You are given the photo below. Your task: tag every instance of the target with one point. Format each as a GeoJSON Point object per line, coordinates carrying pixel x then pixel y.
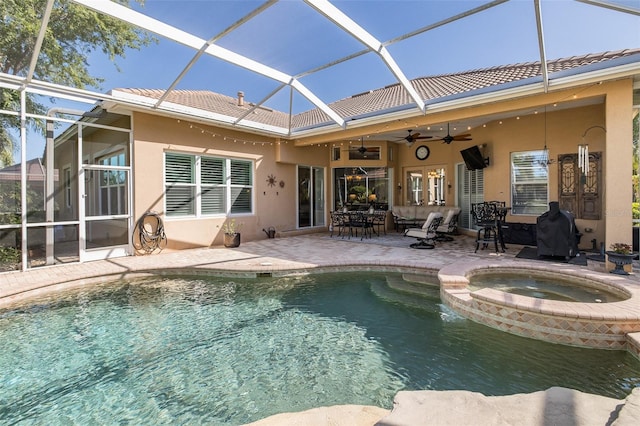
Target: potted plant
{"type": "Point", "coordinates": [231, 230]}
{"type": "Point", "coordinates": [620, 254]}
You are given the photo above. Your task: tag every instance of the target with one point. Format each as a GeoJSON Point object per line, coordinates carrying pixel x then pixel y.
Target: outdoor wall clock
{"type": "Point", "coordinates": [422, 152]}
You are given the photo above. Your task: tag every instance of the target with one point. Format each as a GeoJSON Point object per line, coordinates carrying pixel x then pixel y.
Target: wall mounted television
{"type": "Point", "coordinates": [473, 158]}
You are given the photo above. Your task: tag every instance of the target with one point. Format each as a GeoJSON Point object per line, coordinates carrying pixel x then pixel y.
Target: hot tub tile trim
{"type": "Point", "coordinates": [603, 326]}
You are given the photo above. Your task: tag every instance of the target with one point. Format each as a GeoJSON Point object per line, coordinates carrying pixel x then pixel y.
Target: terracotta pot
{"type": "Point", "coordinates": [232, 240]}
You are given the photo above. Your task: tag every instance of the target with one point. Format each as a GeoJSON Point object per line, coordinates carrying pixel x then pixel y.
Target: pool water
{"type": "Point", "coordinates": [543, 288]}
{"type": "Point", "coordinates": [168, 351]}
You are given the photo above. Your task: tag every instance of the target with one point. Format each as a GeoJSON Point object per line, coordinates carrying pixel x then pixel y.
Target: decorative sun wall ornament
{"type": "Point", "coordinates": [271, 180]}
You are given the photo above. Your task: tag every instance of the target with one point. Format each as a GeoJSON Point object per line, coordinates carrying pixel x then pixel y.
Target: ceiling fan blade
{"type": "Point", "coordinates": [424, 137]}
{"type": "Point", "coordinates": [463, 137]}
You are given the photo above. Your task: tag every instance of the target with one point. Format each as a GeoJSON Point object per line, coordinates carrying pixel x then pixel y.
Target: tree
{"type": "Point", "coordinates": [73, 32]}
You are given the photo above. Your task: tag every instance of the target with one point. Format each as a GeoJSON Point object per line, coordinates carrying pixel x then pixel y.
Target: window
{"type": "Point", "coordinates": [180, 185]}
{"type": "Point", "coordinates": [360, 187]}
{"type": "Point", "coordinates": [368, 153]}
{"type": "Point", "coordinates": [414, 188]}
{"type": "Point", "coordinates": [113, 186]}
{"type": "Point", "coordinates": [336, 153]}
{"type": "Point", "coordinates": [529, 183]}
{"type": "Point", "coordinates": [203, 186]}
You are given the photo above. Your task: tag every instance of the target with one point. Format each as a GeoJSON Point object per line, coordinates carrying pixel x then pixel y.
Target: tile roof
{"type": "Point", "coordinates": [218, 103]}
{"type": "Point", "coordinates": [382, 99]}
{"type": "Point", "coordinates": [440, 86]}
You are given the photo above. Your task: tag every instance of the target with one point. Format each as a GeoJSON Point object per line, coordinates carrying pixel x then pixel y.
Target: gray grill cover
{"type": "Point", "coordinates": [556, 232]}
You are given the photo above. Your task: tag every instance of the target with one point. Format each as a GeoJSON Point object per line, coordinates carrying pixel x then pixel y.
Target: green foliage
{"type": "Point", "coordinates": [9, 256]}
{"type": "Point", "coordinates": [635, 210]}
{"type": "Point", "coordinates": [231, 227]}
{"type": "Point", "coordinates": [73, 33]}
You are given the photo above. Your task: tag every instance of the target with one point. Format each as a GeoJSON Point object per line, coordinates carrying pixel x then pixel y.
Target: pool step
{"type": "Point", "coordinates": [426, 279]}
{"type": "Point", "coordinates": [422, 285]}
{"type": "Point", "coordinates": [410, 293]}
{"type": "Point", "coordinates": [390, 295]}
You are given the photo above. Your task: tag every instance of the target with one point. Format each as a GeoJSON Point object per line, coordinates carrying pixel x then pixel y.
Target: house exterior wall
{"type": "Point", "coordinates": [564, 129]}
{"type": "Point", "coordinates": [273, 205]}
{"type": "Point", "coordinates": [608, 105]}
{"type": "Point", "coordinates": [618, 163]}
{"type": "Point", "coordinates": [613, 111]}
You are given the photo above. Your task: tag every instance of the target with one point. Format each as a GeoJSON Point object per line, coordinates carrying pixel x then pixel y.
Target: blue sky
{"type": "Point", "coordinates": [293, 38]}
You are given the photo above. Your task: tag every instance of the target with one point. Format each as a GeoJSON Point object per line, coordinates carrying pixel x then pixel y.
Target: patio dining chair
{"type": "Point", "coordinates": [379, 221]}
{"type": "Point", "coordinates": [359, 220]}
{"type": "Point", "coordinates": [338, 223]}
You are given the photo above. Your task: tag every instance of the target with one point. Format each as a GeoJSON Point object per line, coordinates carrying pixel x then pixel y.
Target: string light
{"type": "Point", "coordinates": [224, 138]}
{"type": "Point", "coordinates": [214, 135]}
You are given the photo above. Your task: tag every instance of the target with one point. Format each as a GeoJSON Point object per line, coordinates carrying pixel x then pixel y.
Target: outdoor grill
{"type": "Point", "coordinates": [556, 233]}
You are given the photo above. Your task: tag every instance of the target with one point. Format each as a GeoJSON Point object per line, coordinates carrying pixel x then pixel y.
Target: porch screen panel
{"type": "Point", "coordinates": [180, 185]}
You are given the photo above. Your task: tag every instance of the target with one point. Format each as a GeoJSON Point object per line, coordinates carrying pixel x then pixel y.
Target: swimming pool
{"type": "Point", "coordinates": [231, 351]}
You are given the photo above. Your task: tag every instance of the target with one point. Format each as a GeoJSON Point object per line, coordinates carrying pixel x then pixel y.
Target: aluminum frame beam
{"type": "Point", "coordinates": [336, 16]}
{"type": "Point", "coordinates": [152, 25]}
{"type": "Point", "coordinates": [543, 55]}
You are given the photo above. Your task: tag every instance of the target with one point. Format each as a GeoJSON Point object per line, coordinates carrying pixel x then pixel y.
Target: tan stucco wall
{"type": "Point", "coordinates": [618, 163]}
{"type": "Point", "coordinates": [608, 105]}
{"type": "Point", "coordinates": [501, 138]}
{"type": "Point", "coordinates": [274, 205]}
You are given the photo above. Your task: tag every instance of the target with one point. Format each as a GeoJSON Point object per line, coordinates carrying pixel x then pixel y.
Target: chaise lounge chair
{"type": "Point", "coordinates": [427, 234]}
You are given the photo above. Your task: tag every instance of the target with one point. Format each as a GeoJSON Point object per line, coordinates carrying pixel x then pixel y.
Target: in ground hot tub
{"type": "Point", "coordinates": [561, 288]}
{"type": "Point", "coordinates": [568, 306]}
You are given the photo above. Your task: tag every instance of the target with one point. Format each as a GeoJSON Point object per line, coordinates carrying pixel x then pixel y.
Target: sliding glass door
{"type": "Point", "coordinates": [311, 197]}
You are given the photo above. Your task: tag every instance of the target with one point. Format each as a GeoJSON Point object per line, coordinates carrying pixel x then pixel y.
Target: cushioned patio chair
{"type": "Point", "coordinates": [427, 234]}
{"type": "Point", "coordinates": [449, 225]}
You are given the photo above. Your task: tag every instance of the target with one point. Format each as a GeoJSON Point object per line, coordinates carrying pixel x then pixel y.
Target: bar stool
{"type": "Point", "coordinates": [485, 217]}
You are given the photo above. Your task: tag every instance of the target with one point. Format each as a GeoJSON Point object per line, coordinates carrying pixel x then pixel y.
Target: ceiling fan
{"type": "Point", "coordinates": [412, 137]}
{"type": "Point", "coordinates": [448, 139]}
{"type": "Point", "coordinates": [362, 149]}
